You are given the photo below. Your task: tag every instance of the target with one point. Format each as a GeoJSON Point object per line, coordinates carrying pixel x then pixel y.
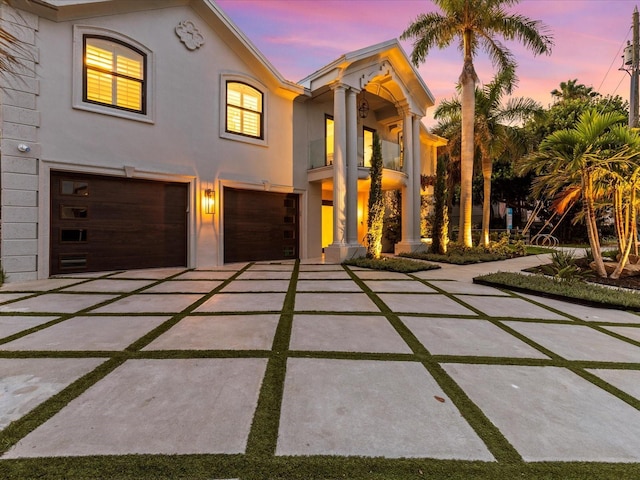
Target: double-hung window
{"type": "Point", "coordinates": [114, 74]}
{"type": "Point", "coordinates": [244, 110]}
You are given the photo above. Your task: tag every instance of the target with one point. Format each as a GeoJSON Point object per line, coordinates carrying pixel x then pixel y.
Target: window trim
{"type": "Point", "coordinates": [80, 34]}
{"type": "Point", "coordinates": [226, 78]}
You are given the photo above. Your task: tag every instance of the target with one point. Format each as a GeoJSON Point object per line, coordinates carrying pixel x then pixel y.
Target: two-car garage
{"type": "Point", "coordinates": [103, 223]}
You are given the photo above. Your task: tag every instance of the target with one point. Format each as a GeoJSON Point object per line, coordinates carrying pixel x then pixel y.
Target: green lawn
{"type": "Point", "coordinates": [582, 292]}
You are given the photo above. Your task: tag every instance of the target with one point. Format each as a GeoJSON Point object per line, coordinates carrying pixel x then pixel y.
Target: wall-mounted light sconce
{"type": "Point", "coordinates": [209, 199]}
{"type": "Point", "coordinates": [363, 106]}
{"type": "Point", "coordinates": [24, 148]}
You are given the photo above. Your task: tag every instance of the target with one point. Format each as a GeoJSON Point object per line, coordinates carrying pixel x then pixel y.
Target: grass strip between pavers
{"type": "Point", "coordinates": [263, 436]}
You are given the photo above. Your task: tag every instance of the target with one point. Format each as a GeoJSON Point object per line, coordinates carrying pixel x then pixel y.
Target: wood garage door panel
{"type": "Point", "coordinates": [129, 224]}
{"type": "Point", "coordinates": [260, 225]}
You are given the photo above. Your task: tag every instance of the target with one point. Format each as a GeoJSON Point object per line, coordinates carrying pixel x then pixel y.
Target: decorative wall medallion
{"type": "Point", "coordinates": [189, 35]}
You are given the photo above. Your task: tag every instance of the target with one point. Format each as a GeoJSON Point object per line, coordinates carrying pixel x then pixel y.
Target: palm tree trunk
{"type": "Point", "coordinates": [590, 218]}
{"type": "Point", "coordinates": [487, 168]}
{"type": "Point", "coordinates": [624, 255]}
{"type": "Point", "coordinates": [468, 100]}
{"type": "Point", "coordinates": [619, 219]}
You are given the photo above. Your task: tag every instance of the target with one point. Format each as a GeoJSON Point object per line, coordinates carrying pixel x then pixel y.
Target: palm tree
{"type": "Point", "coordinates": [570, 90]}
{"type": "Point", "coordinates": [493, 134]}
{"type": "Point", "coordinates": [475, 24]}
{"type": "Point", "coordinates": [622, 184]}
{"type": "Point", "coordinates": [627, 237]}
{"type": "Point", "coordinates": [571, 162]}
{"type": "Point", "coordinates": [9, 47]}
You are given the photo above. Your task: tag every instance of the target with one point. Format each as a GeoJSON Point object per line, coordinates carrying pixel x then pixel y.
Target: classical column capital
{"type": "Point", "coordinates": [339, 86]}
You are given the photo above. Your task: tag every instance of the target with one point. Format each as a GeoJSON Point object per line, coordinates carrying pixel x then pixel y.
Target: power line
{"type": "Point", "coordinates": [616, 57]}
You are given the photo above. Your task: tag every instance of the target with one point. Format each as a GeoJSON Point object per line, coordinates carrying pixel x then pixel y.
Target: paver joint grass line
{"type": "Point", "coordinates": [263, 436]}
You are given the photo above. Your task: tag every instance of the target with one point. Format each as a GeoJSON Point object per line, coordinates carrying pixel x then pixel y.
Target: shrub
{"type": "Point", "coordinates": [375, 220]}
{"type": "Point", "coordinates": [440, 232]}
{"type": "Point", "coordinates": [401, 265]}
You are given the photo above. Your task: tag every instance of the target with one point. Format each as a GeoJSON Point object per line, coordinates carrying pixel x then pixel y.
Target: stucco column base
{"type": "Point", "coordinates": [340, 253]}
{"type": "Point", "coordinates": [410, 247]}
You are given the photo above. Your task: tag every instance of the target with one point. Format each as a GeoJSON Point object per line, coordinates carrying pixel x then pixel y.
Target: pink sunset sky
{"type": "Point", "coordinates": [301, 36]}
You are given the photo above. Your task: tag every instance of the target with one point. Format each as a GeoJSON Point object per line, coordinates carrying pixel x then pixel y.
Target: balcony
{"type": "Point", "coordinates": [391, 155]}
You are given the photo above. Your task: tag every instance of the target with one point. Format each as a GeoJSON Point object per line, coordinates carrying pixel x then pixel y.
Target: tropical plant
{"type": "Point", "coordinates": [570, 162]}
{"type": "Point", "coordinates": [572, 89]}
{"type": "Point", "coordinates": [475, 24]}
{"type": "Point", "coordinates": [375, 219]}
{"type": "Point", "coordinates": [563, 267]}
{"type": "Point", "coordinates": [623, 177]}
{"type": "Point", "coordinates": [494, 134]}
{"type": "Point", "coordinates": [10, 48]}
{"type": "Point", "coordinates": [565, 112]}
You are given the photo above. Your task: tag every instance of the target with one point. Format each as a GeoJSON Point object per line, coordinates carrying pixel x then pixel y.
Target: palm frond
{"type": "Point", "coordinates": [566, 198]}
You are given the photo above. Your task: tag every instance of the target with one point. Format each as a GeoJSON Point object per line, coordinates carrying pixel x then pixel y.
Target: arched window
{"type": "Point", "coordinates": [244, 110]}
{"type": "Point", "coordinates": [114, 74]}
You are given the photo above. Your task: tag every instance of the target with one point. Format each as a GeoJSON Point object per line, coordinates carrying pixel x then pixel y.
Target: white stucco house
{"type": "Point", "coordinates": [153, 133]}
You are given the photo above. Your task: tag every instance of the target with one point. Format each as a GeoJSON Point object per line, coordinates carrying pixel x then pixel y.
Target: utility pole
{"type": "Point", "coordinates": [633, 98]}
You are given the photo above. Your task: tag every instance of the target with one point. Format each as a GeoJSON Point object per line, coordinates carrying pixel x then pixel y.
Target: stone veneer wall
{"type": "Point", "coordinates": [19, 120]}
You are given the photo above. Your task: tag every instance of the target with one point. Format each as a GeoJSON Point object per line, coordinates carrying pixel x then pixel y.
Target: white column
{"type": "Point", "coordinates": [345, 185]}
{"type": "Point", "coordinates": [417, 170]}
{"type": "Point", "coordinates": [411, 192]}
{"type": "Point", "coordinates": [352, 169]}
{"type": "Point", "coordinates": [339, 166]}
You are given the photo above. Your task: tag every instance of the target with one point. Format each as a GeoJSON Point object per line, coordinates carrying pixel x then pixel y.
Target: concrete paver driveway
{"type": "Point", "coordinates": [313, 359]}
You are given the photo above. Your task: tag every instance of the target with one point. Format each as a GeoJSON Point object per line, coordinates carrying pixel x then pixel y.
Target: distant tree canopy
{"type": "Point", "coordinates": [571, 90]}
{"type": "Point", "coordinates": [573, 100]}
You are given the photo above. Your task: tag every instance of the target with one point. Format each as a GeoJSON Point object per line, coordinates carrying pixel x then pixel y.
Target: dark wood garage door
{"type": "Point", "coordinates": [103, 223]}
{"type": "Point", "coordinates": [260, 225]}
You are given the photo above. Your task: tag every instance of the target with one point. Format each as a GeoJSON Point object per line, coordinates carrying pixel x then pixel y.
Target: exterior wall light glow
{"type": "Point", "coordinates": [209, 201]}
{"type": "Point", "coordinates": [24, 148]}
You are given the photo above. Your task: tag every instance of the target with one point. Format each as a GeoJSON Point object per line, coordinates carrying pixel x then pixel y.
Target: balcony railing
{"type": "Point", "coordinates": [391, 155]}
